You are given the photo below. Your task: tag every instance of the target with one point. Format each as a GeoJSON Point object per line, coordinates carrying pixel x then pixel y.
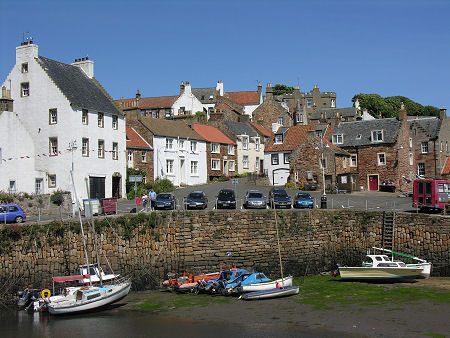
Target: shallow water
{"type": "Point", "coordinates": [117, 322]}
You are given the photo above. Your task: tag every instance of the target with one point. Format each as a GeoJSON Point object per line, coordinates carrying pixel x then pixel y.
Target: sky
{"type": "Point", "coordinates": [346, 46]}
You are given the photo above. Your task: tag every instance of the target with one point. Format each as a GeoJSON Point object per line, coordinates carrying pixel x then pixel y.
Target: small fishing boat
{"type": "Point", "coordinates": [423, 264]}
{"type": "Point", "coordinates": [187, 282]}
{"type": "Point", "coordinates": [271, 284]}
{"type": "Point", "coordinates": [271, 293]}
{"type": "Point", "coordinates": [380, 268]}
{"type": "Point", "coordinates": [89, 298]}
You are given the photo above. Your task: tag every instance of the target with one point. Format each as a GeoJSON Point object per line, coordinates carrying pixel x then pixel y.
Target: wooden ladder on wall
{"type": "Point", "coordinates": [388, 230]}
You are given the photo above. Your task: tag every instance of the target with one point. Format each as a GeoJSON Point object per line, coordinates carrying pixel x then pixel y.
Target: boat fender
{"type": "Point", "coordinates": [46, 293]}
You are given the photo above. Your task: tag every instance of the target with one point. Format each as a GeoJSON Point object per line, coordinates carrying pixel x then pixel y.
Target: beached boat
{"type": "Point", "coordinates": [423, 264]}
{"type": "Point", "coordinates": [271, 293]}
{"type": "Point", "coordinates": [380, 267]}
{"type": "Point", "coordinates": [187, 282]}
{"type": "Point", "coordinates": [273, 284]}
{"type": "Point", "coordinates": [89, 298]}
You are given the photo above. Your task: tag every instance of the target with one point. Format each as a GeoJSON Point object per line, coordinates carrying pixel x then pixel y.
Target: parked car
{"type": "Point", "coordinates": [255, 199]}
{"type": "Point", "coordinates": [303, 200]}
{"type": "Point", "coordinates": [165, 201]}
{"type": "Point", "coordinates": [12, 213]}
{"type": "Point", "coordinates": [196, 200]}
{"type": "Point", "coordinates": [226, 199]}
{"type": "Point", "coordinates": [278, 198]}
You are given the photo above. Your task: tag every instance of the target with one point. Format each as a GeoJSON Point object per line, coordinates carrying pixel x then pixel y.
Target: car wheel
{"type": "Point", "coordinates": [19, 219]}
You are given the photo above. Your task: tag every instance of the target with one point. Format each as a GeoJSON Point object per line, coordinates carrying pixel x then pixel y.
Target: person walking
{"type": "Point", "coordinates": [152, 196]}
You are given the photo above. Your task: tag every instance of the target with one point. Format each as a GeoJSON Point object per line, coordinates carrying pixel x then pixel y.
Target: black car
{"type": "Point", "coordinates": [165, 201]}
{"type": "Point", "coordinates": [196, 200]}
{"type": "Point", "coordinates": [226, 199]}
{"type": "Point", "coordinates": [278, 198]}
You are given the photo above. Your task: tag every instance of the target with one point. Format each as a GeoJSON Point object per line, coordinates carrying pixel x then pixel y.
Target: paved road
{"type": "Point", "coordinates": [358, 201]}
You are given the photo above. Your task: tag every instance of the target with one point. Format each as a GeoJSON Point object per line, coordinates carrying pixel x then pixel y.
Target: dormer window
{"type": "Point", "coordinates": [25, 67]}
{"type": "Point", "coordinates": [278, 138]}
{"type": "Point", "coordinates": [377, 135]}
{"type": "Point", "coordinates": [338, 139]}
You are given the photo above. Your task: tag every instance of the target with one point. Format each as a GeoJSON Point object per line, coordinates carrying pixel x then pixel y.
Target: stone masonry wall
{"type": "Point", "coordinates": [148, 246]}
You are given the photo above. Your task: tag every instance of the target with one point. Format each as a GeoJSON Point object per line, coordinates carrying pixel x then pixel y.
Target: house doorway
{"type": "Point", "coordinates": [182, 172]}
{"type": "Point", "coordinates": [116, 179]}
{"type": "Point", "coordinates": [96, 187]}
{"type": "Point", "coordinates": [225, 168]}
{"type": "Point", "coordinates": [373, 182]}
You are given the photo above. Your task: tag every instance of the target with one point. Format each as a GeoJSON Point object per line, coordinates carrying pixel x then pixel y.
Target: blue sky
{"type": "Point", "coordinates": [385, 47]}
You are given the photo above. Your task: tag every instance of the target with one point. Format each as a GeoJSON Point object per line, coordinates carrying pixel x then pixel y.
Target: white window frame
{"type": "Point", "coordinates": [231, 166]}
{"type": "Point", "coordinates": [280, 121]}
{"type": "Point", "coordinates": [115, 122]}
{"type": "Point", "coordinates": [215, 164]}
{"type": "Point", "coordinates": [193, 146]}
{"type": "Point", "coordinates": [410, 142]}
{"type": "Point", "coordinates": [381, 156]}
{"type": "Point", "coordinates": [100, 120]}
{"type": "Point", "coordinates": [53, 146]}
{"type": "Point", "coordinates": [275, 157]}
{"type": "Point", "coordinates": [24, 68]}
{"type": "Point", "coordinates": [411, 159]}
{"type": "Point", "coordinates": [231, 149]}
{"type": "Point", "coordinates": [143, 156]}
{"type": "Point", "coordinates": [333, 103]}
{"type": "Point", "coordinates": [53, 116]}
{"type": "Point", "coordinates": [278, 139]}
{"type": "Point", "coordinates": [286, 157]}
{"type": "Point", "coordinates": [424, 147]}
{"type": "Point", "coordinates": [84, 117]}
{"type": "Point", "coordinates": [245, 161]}
{"type": "Point", "coordinates": [376, 136]}
{"type": "Point", "coordinates": [115, 151]}
{"type": "Point", "coordinates": [194, 168]}
{"type": "Point", "coordinates": [25, 89]}
{"type": "Point", "coordinates": [51, 180]}
{"type": "Point", "coordinates": [308, 103]}
{"type": "Point", "coordinates": [169, 166]}
{"type": "Point", "coordinates": [257, 163]}
{"type": "Point", "coordinates": [338, 139]}
{"type": "Point", "coordinates": [257, 143]}
{"type": "Point", "coordinates": [38, 186]}
{"type": "Point", "coordinates": [169, 143]}
{"type": "Point", "coordinates": [245, 142]}
{"type": "Point", "coordinates": [101, 149]}
{"type": "Point", "coordinates": [181, 144]}
{"type": "Point", "coordinates": [353, 160]}
{"type": "Point", "coordinates": [85, 147]}
{"type": "Point", "coordinates": [130, 156]}
{"type": "Point", "coordinates": [421, 167]}
{"type": "Point", "coordinates": [215, 148]}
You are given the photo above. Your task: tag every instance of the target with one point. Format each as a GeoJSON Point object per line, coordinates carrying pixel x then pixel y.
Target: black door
{"type": "Point", "coordinates": [115, 187]}
{"type": "Point", "coordinates": [97, 187]}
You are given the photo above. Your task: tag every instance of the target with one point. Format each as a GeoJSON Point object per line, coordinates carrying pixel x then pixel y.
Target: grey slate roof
{"type": "Point", "coordinates": [331, 113]}
{"type": "Point", "coordinates": [351, 130]}
{"type": "Point", "coordinates": [430, 125]}
{"type": "Point", "coordinates": [78, 88]}
{"type": "Point", "coordinates": [206, 93]}
{"type": "Point", "coordinates": [239, 128]}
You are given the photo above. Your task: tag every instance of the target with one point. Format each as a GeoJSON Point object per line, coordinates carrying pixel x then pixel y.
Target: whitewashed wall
{"type": "Point", "coordinates": [281, 170]}
{"type": "Point", "coordinates": [187, 100]}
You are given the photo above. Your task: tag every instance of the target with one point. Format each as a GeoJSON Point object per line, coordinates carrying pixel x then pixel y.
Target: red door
{"type": "Point", "coordinates": [373, 182]}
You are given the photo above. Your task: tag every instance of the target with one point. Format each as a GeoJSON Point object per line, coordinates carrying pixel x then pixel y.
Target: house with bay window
{"type": "Point", "coordinates": [73, 125]}
{"type": "Point", "coordinates": [221, 151]}
{"type": "Point", "coordinates": [179, 153]}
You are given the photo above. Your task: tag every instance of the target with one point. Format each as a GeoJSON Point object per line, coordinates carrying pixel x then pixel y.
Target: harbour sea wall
{"type": "Point", "coordinates": [146, 246]}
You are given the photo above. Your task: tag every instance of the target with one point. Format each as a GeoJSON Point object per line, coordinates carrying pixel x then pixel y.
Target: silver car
{"type": "Point", "coordinates": [255, 199]}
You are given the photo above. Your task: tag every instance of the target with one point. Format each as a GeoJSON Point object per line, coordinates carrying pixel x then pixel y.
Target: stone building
{"type": "Point", "coordinates": [444, 144]}
{"type": "Point", "coordinates": [380, 156]}
{"type": "Point", "coordinates": [139, 154]}
{"type": "Point", "coordinates": [271, 114]}
{"type": "Point", "coordinates": [315, 99]}
{"type": "Point", "coordinates": [221, 151]}
{"type": "Point", "coordinates": [307, 168]}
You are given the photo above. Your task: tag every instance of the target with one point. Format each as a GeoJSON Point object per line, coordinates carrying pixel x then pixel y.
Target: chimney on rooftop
{"type": "Point", "coordinates": [219, 87]}
{"type": "Point", "coordinates": [182, 87]}
{"type": "Point", "coordinates": [6, 103]}
{"type": "Point", "coordinates": [86, 65]}
{"type": "Point", "coordinates": [443, 113]}
{"type": "Point", "coordinates": [269, 92]}
{"type": "Point", "coordinates": [401, 113]}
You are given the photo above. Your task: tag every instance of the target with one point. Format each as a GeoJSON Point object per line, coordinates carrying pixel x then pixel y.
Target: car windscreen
{"type": "Point", "coordinates": [303, 195]}
{"type": "Point", "coordinates": [280, 194]}
{"type": "Point", "coordinates": [164, 196]}
{"type": "Point", "coordinates": [196, 195]}
{"type": "Point", "coordinates": [255, 195]}
{"type": "Point", "coordinates": [226, 194]}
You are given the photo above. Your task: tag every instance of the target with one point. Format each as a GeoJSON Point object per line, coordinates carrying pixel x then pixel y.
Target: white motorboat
{"type": "Point", "coordinates": [88, 298]}
{"type": "Point", "coordinates": [380, 267]}
{"type": "Point", "coordinates": [287, 281]}
{"type": "Point", "coordinates": [272, 293]}
{"type": "Point", "coordinates": [423, 264]}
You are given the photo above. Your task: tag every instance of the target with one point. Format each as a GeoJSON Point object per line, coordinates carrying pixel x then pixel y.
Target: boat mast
{"type": "Point", "coordinates": [81, 227]}
{"type": "Point", "coordinates": [279, 249]}
{"type": "Point", "coordinates": [94, 233]}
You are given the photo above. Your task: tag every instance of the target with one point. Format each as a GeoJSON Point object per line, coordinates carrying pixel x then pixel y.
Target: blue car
{"type": "Point", "coordinates": [12, 213]}
{"type": "Point", "coordinates": [303, 200]}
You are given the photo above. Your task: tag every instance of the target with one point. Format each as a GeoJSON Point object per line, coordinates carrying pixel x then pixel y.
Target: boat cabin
{"type": "Point", "coordinates": [382, 261]}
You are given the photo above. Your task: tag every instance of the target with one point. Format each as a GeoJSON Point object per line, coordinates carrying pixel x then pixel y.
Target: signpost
{"type": "Point", "coordinates": [135, 178]}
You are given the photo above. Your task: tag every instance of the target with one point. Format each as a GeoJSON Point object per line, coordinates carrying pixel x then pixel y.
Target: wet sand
{"type": "Point", "coordinates": [417, 318]}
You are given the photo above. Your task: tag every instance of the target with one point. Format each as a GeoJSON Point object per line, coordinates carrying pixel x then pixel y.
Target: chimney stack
{"type": "Point", "coordinates": [6, 103]}
{"type": "Point", "coordinates": [269, 92]}
{"type": "Point", "coordinates": [219, 87]}
{"type": "Point", "coordinates": [86, 65]}
{"type": "Point", "coordinates": [138, 95]}
{"type": "Point", "coordinates": [402, 113]}
{"type": "Point", "coordinates": [182, 87]}
{"type": "Point", "coordinates": [443, 114]}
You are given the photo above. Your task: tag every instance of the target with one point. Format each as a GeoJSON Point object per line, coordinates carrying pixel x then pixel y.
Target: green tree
{"type": "Point", "coordinates": [280, 89]}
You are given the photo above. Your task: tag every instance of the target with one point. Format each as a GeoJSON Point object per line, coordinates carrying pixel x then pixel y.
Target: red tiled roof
{"type": "Point", "coordinates": [446, 169]}
{"type": "Point", "coordinates": [211, 134]}
{"type": "Point", "coordinates": [149, 102]}
{"type": "Point", "coordinates": [293, 138]}
{"type": "Point", "coordinates": [134, 140]}
{"type": "Point", "coordinates": [261, 129]}
{"type": "Point", "coordinates": [246, 97]}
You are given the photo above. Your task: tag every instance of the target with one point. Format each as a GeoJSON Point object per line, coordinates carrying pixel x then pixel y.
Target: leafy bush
{"type": "Point", "coordinates": [289, 185]}
{"type": "Point", "coordinates": [6, 197]}
{"type": "Point", "coordinates": [57, 198]}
